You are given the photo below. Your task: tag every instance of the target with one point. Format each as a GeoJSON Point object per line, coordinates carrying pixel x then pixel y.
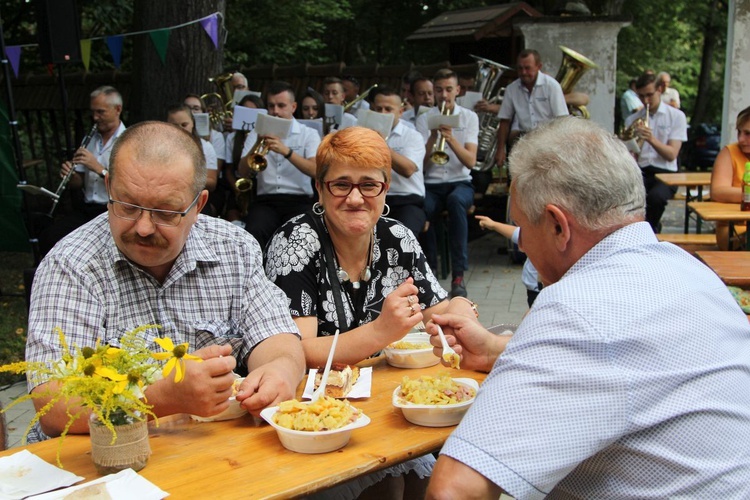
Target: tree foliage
{"type": "Point", "coordinates": [669, 36]}
{"type": "Point", "coordinates": [685, 38]}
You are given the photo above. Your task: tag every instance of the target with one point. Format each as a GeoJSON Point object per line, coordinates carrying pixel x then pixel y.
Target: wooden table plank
{"type": "Point", "coordinates": [242, 458]}
{"type": "Point", "coordinates": [732, 267]}
{"type": "Point", "coordinates": [723, 212]}
{"type": "Point", "coordinates": [689, 180]}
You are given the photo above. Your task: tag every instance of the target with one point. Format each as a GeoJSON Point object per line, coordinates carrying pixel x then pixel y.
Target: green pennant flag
{"type": "Point", "coordinates": [86, 52]}
{"type": "Point", "coordinates": [161, 40]}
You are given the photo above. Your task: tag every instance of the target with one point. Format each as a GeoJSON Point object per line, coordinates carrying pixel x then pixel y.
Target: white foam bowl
{"type": "Point", "coordinates": [235, 410]}
{"type": "Point", "coordinates": [435, 415]}
{"type": "Point", "coordinates": [313, 441]}
{"type": "Point", "coordinates": [411, 358]}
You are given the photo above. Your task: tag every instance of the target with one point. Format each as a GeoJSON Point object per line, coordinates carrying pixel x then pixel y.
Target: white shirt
{"type": "Point", "coordinates": [544, 103]}
{"type": "Point", "coordinates": [466, 133]}
{"type": "Point", "coordinates": [281, 177]}
{"type": "Point", "coordinates": [407, 142]}
{"type": "Point", "coordinates": [216, 138]}
{"type": "Point", "coordinates": [93, 184]}
{"type": "Point", "coordinates": [666, 123]}
{"type": "Point", "coordinates": [628, 378]}
{"type": "Point", "coordinates": [363, 104]}
{"type": "Point", "coordinates": [210, 154]}
{"type": "Point", "coordinates": [670, 95]}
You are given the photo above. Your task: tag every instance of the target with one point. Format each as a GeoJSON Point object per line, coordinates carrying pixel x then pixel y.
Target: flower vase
{"type": "Point", "coordinates": [129, 451]}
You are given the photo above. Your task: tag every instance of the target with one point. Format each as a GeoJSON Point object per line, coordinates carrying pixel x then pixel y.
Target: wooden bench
{"type": "Point", "coordinates": [688, 239]}
{"type": "Point", "coordinates": [691, 243]}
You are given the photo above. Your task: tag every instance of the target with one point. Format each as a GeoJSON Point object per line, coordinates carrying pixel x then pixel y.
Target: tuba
{"type": "Point", "coordinates": [572, 68]}
{"type": "Point", "coordinates": [219, 104]}
{"type": "Point", "coordinates": [256, 160]}
{"type": "Point", "coordinates": [438, 155]}
{"type": "Point", "coordinates": [485, 82]}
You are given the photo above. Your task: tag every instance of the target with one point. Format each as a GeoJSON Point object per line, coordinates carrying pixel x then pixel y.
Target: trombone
{"type": "Point", "coordinates": [361, 96]}
{"type": "Point", "coordinates": [256, 161]}
{"type": "Point", "coordinates": [438, 155]}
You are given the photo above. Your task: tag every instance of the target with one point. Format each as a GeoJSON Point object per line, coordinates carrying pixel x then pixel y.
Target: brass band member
{"type": "Point", "coordinates": [531, 100]}
{"type": "Point", "coordinates": [448, 186]}
{"type": "Point", "coordinates": [663, 139]}
{"type": "Point", "coordinates": [284, 187]}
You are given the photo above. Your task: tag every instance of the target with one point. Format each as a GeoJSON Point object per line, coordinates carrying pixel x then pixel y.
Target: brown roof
{"type": "Point", "coordinates": [473, 24]}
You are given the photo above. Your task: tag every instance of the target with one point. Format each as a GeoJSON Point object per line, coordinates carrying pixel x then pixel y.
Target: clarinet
{"type": "Point", "coordinates": [64, 181]}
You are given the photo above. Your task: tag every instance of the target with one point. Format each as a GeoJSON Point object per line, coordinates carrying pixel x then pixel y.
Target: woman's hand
{"type": "Point", "coordinates": [401, 312]}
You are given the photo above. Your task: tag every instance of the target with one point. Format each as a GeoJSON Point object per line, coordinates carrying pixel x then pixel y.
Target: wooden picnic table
{"type": "Point", "coordinates": [689, 180]}
{"type": "Point", "coordinates": [243, 458]}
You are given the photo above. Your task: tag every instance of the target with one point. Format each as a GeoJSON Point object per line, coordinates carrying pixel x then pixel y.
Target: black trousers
{"type": "Point", "coordinates": [657, 195]}
{"type": "Point", "coordinates": [267, 213]}
{"type": "Point", "coordinates": [408, 210]}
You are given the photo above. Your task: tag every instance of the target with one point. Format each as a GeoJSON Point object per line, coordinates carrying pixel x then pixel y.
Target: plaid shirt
{"type": "Point", "coordinates": [215, 293]}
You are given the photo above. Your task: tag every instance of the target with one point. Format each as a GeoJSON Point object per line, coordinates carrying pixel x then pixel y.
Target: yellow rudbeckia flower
{"type": "Point", "coordinates": [109, 373]}
{"type": "Point", "coordinates": [177, 354]}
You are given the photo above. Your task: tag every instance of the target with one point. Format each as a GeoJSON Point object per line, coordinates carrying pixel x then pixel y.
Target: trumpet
{"type": "Point", "coordinates": [64, 182]}
{"type": "Point", "coordinates": [629, 135]}
{"type": "Point", "coordinates": [256, 160]}
{"type": "Point", "coordinates": [438, 155]}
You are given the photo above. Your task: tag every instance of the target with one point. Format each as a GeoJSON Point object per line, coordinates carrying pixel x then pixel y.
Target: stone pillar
{"type": "Point", "coordinates": [593, 37]}
{"type": "Point", "coordinates": [737, 68]}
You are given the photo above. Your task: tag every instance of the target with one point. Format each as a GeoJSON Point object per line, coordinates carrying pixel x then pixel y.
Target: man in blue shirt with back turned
{"type": "Point", "coordinates": [629, 377]}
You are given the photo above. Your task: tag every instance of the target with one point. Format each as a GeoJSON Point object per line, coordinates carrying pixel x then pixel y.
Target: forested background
{"type": "Point", "coordinates": [685, 38]}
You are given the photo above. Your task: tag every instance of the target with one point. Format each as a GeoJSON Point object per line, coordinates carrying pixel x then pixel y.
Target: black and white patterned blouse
{"type": "Point", "coordinates": [296, 263]}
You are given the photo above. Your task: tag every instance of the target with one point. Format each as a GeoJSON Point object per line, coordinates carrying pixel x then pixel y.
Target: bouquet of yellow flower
{"type": "Point", "coordinates": [106, 381]}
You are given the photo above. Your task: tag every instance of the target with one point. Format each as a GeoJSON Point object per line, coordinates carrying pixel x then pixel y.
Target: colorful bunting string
{"type": "Point", "coordinates": [159, 37]}
{"type": "Point", "coordinates": [13, 53]}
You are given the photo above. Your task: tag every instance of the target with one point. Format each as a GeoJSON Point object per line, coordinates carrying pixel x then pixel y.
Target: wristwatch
{"type": "Point", "coordinates": [289, 154]}
{"type": "Point", "coordinates": [103, 173]}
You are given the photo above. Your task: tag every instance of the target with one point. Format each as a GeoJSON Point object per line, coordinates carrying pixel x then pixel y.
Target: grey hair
{"type": "Point", "coordinates": [578, 166]}
{"type": "Point", "coordinates": [114, 98]}
{"type": "Point", "coordinates": [160, 142]}
{"type": "Point", "coordinates": [240, 75]}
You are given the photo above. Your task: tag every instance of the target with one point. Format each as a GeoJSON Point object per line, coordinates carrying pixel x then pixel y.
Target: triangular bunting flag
{"type": "Point", "coordinates": [161, 40]}
{"type": "Point", "coordinates": [86, 52]}
{"type": "Point", "coordinates": [115, 48]}
{"type": "Point", "coordinates": [211, 25]}
{"type": "Point", "coordinates": [13, 53]}
{"type": "Point", "coordinates": [51, 69]}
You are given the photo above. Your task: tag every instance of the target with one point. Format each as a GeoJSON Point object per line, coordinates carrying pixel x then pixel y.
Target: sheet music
{"type": "Point", "coordinates": [272, 125]}
{"type": "Point", "coordinates": [245, 118]}
{"type": "Point", "coordinates": [469, 100]}
{"type": "Point", "coordinates": [335, 113]}
{"type": "Point", "coordinates": [316, 124]}
{"type": "Point", "coordinates": [379, 122]}
{"type": "Point", "coordinates": [202, 124]}
{"type": "Point", "coordinates": [436, 120]}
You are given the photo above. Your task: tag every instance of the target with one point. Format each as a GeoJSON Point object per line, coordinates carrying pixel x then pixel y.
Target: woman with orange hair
{"type": "Point", "coordinates": [346, 266]}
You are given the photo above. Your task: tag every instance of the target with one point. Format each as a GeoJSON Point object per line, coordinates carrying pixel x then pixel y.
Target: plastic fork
{"type": "Point", "coordinates": [449, 355]}
{"type": "Point", "coordinates": [324, 379]}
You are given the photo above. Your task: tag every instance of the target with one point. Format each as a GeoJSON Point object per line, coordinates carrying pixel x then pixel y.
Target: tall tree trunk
{"type": "Point", "coordinates": [190, 60]}
{"type": "Point", "coordinates": [704, 81]}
